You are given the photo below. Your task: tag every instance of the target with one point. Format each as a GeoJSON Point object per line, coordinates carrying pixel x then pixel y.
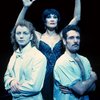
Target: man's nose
{"type": "Point", "coordinates": [21, 35]}
{"type": "Point", "coordinates": [75, 39]}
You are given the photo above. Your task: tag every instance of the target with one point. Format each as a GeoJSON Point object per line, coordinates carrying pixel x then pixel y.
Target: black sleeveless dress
{"type": "Point", "coordinates": [52, 55]}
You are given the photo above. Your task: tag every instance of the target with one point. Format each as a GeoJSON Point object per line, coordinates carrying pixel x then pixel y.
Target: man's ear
{"type": "Point", "coordinates": [64, 42]}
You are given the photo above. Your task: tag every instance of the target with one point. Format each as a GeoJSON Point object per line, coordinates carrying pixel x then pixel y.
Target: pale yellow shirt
{"type": "Point", "coordinates": [67, 73]}
{"type": "Point", "coordinates": [28, 67]}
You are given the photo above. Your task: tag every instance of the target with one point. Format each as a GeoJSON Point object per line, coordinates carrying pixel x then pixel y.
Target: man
{"type": "Point", "coordinates": [73, 74]}
{"type": "Point", "coordinates": [26, 70]}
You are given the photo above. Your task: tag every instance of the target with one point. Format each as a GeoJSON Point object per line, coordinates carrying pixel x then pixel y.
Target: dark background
{"type": "Point", "coordinates": [89, 24]}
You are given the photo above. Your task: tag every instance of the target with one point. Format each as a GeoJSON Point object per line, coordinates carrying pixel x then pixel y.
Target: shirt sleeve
{"type": "Point", "coordinates": [87, 67]}
{"type": "Point", "coordinates": [8, 76]}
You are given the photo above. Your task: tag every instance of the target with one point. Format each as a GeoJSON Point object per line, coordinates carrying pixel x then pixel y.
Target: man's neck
{"type": "Point", "coordinates": [73, 55]}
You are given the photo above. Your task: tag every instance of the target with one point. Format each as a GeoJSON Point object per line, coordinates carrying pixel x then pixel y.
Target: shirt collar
{"type": "Point", "coordinates": [23, 51]}
{"type": "Point", "coordinates": [69, 57]}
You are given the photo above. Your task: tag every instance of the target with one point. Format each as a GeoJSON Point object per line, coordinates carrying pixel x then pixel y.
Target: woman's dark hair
{"type": "Point", "coordinates": [48, 12]}
{"type": "Point", "coordinates": [69, 28]}
{"type": "Point", "coordinates": [27, 24]}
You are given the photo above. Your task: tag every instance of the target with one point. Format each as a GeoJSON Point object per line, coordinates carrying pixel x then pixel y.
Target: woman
{"type": "Point", "coordinates": [26, 70]}
{"type": "Point", "coordinates": [50, 43]}
{"type": "Point", "coordinates": [51, 46]}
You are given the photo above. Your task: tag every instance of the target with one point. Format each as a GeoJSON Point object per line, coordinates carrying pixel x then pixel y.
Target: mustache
{"type": "Point", "coordinates": [75, 44]}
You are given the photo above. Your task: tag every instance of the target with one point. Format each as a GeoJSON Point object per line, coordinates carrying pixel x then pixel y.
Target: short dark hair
{"type": "Point", "coordinates": [68, 28]}
{"type": "Point", "coordinates": [29, 25]}
{"type": "Point", "coordinates": [48, 12]}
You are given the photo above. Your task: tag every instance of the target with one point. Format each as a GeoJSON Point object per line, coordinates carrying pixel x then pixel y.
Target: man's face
{"type": "Point", "coordinates": [23, 35]}
{"type": "Point", "coordinates": [73, 41]}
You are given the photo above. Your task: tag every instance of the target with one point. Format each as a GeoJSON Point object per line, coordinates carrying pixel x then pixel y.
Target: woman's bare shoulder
{"type": "Point", "coordinates": [38, 34]}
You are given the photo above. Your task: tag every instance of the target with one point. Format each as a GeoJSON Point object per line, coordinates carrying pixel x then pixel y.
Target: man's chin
{"type": "Point", "coordinates": [74, 51]}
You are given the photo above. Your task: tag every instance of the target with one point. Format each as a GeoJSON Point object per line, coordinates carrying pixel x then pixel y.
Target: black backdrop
{"type": "Point", "coordinates": [89, 25]}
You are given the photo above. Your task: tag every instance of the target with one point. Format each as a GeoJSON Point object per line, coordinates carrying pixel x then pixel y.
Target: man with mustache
{"type": "Point", "coordinates": [73, 74]}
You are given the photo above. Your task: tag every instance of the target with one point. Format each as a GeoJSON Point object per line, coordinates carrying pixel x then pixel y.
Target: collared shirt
{"type": "Point", "coordinates": [67, 73]}
{"type": "Point", "coordinates": [27, 67]}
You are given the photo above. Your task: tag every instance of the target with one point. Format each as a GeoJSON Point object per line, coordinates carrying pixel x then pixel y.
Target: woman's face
{"type": "Point", "coordinates": [23, 36]}
{"type": "Point", "coordinates": [51, 21]}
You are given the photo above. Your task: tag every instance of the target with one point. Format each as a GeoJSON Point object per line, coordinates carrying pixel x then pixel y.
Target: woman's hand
{"type": "Point", "coordinates": [27, 2]}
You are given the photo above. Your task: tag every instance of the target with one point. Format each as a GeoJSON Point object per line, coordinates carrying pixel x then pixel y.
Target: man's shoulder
{"type": "Point", "coordinates": [83, 57]}
{"type": "Point", "coordinates": [61, 60]}
{"type": "Point", "coordinates": [37, 53]}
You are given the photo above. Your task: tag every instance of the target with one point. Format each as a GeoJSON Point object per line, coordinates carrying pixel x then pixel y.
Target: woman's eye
{"type": "Point", "coordinates": [48, 16]}
{"type": "Point", "coordinates": [55, 16]}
